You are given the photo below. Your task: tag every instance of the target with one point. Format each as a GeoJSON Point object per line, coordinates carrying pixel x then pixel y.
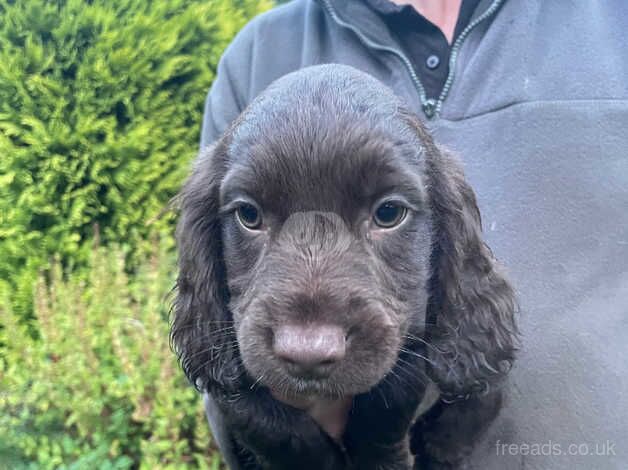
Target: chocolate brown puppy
{"type": "Point", "coordinates": [329, 249]}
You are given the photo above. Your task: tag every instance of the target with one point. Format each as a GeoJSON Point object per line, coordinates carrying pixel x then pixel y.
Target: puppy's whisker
{"type": "Point", "coordinates": [416, 354]}
{"type": "Point", "coordinates": [383, 397]}
{"type": "Point", "coordinates": [225, 347]}
{"type": "Point", "coordinates": [203, 326]}
{"type": "Point", "coordinates": [215, 337]}
{"type": "Point", "coordinates": [421, 340]}
{"type": "Point", "coordinates": [228, 329]}
{"type": "Point", "coordinates": [208, 341]}
{"type": "Point", "coordinates": [257, 381]}
{"type": "Point", "coordinates": [401, 379]}
{"type": "Point", "coordinates": [412, 374]}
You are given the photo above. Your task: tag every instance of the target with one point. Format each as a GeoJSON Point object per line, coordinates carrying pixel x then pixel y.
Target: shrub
{"type": "Point", "coordinates": [100, 388]}
{"type": "Point", "coordinates": [100, 110]}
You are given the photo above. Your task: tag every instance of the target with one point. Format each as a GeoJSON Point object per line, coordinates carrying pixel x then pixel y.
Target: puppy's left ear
{"type": "Point", "coordinates": [471, 313]}
{"type": "Point", "coordinates": [202, 332]}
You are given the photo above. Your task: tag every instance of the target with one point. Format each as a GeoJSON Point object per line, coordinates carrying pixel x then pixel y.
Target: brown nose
{"type": "Point", "coordinates": [309, 350]}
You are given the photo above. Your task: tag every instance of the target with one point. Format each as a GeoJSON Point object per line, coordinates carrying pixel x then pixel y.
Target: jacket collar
{"type": "Point", "coordinates": [359, 14]}
{"type": "Point", "coordinates": [373, 31]}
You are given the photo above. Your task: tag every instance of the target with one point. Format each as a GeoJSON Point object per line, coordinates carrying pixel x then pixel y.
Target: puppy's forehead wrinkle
{"type": "Point", "coordinates": [315, 230]}
{"type": "Point", "coordinates": [337, 168]}
{"type": "Point", "coordinates": [331, 138]}
{"type": "Point", "coordinates": [330, 134]}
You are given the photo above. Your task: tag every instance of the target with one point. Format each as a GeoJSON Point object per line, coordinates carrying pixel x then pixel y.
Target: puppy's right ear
{"type": "Point", "coordinates": [202, 332]}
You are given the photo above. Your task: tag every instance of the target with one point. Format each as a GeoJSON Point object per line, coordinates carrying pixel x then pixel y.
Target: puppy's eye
{"type": "Point", "coordinates": [249, 216]}
{"type": "Point", "coordinates": [389, 214]}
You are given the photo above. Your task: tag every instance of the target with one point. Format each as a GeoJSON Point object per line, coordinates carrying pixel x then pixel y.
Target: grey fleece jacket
{"type": "Point", "coordinates": [536, 106]}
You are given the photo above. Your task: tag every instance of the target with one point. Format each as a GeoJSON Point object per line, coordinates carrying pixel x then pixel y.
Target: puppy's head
{"type": "Point", "coordinates": [313, 236]}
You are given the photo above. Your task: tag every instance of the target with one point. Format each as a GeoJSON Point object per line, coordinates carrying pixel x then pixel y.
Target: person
{"type": "Point", "coordinates": [533, 96]}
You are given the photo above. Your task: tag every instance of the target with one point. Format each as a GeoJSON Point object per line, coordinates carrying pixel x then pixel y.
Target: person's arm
{"type": "Point", "coordinates": [228, 95]}
{"type": "Point", "coordinates": [222, 105]}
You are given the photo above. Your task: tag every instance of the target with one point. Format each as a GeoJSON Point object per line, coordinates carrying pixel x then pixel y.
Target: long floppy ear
{"type": "Point", "coordinates": [472, 305]}
{"type": "Point", "coordinates": [471, 312]}
{"type": "Point", "coordinates": [201, 328]}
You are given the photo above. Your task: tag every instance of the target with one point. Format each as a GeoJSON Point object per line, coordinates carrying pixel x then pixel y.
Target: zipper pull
{"type": "Point", "coordinates": [429, 108]}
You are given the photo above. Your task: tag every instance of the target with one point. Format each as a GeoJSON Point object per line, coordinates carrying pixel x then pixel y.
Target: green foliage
{"type": "Point", "coordinates": [100, 111]}
{"type": "Point", "coordinates": [100, 388]}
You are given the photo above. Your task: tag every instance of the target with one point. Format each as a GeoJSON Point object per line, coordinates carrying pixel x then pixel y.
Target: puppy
{"type": "Point", "coordinates": [330, 252]}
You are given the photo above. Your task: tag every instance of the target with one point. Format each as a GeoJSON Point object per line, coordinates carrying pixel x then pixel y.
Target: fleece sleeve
{"type": "Point", "coordinates": [228, 95]}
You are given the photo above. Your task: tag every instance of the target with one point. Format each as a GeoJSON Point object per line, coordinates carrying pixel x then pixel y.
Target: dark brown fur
{"type": "Point", "coordinates": [425, 301]}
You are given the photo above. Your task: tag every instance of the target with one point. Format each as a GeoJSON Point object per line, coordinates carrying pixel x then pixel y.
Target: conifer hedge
{"type": "Point", "coordinates": [100, 110]}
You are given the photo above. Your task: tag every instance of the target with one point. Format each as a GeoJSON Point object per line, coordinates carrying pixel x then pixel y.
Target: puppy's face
{"type": "Point", "coordinates": [326, 236]}
{"type": "Point", "coordinates": [305, 239]}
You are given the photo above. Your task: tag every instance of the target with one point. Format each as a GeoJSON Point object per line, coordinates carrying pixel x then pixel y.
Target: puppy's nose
{"type": "Point", "coordinates": [309, 350]}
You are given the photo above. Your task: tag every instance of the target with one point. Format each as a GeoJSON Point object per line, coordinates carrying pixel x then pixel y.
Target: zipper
{"type": "Point", "coordinates": [373, 45]}
{"type": "Point", "coordinates": [456, 48]}
{"type": "Point", "coordinates": [430, 107]}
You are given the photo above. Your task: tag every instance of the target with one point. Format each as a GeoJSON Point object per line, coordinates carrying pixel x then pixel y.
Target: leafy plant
{"type": "Point", "coordinates": [100, 387]}
{"type": "Point", "coordinates": [100, 111]}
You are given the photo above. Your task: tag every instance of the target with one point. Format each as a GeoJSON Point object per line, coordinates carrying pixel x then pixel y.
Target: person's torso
{"type": "Point", "coordinates": [537, 108]}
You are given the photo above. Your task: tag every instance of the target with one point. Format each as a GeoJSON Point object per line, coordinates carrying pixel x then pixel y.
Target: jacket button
{"type": "Point", "coordinates": [432, 62]}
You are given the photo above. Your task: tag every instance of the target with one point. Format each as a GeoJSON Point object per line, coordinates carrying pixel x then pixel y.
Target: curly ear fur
{"type": "Point", "coordinates": [472, 304]}
{"type": "Point", "coordinates": [200, 314]}
{"type": "Point", "coordinates": [471, 312]}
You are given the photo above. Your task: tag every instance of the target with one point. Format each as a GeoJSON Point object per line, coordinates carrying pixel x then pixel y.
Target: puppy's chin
{"type": "Point", "coordinates": [303, 392]}
{"type": "Point", "coordinates": [304, 401]}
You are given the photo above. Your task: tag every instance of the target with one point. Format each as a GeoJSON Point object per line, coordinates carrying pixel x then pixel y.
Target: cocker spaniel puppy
{"type": "Point", "coordinates": [330, 252]}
